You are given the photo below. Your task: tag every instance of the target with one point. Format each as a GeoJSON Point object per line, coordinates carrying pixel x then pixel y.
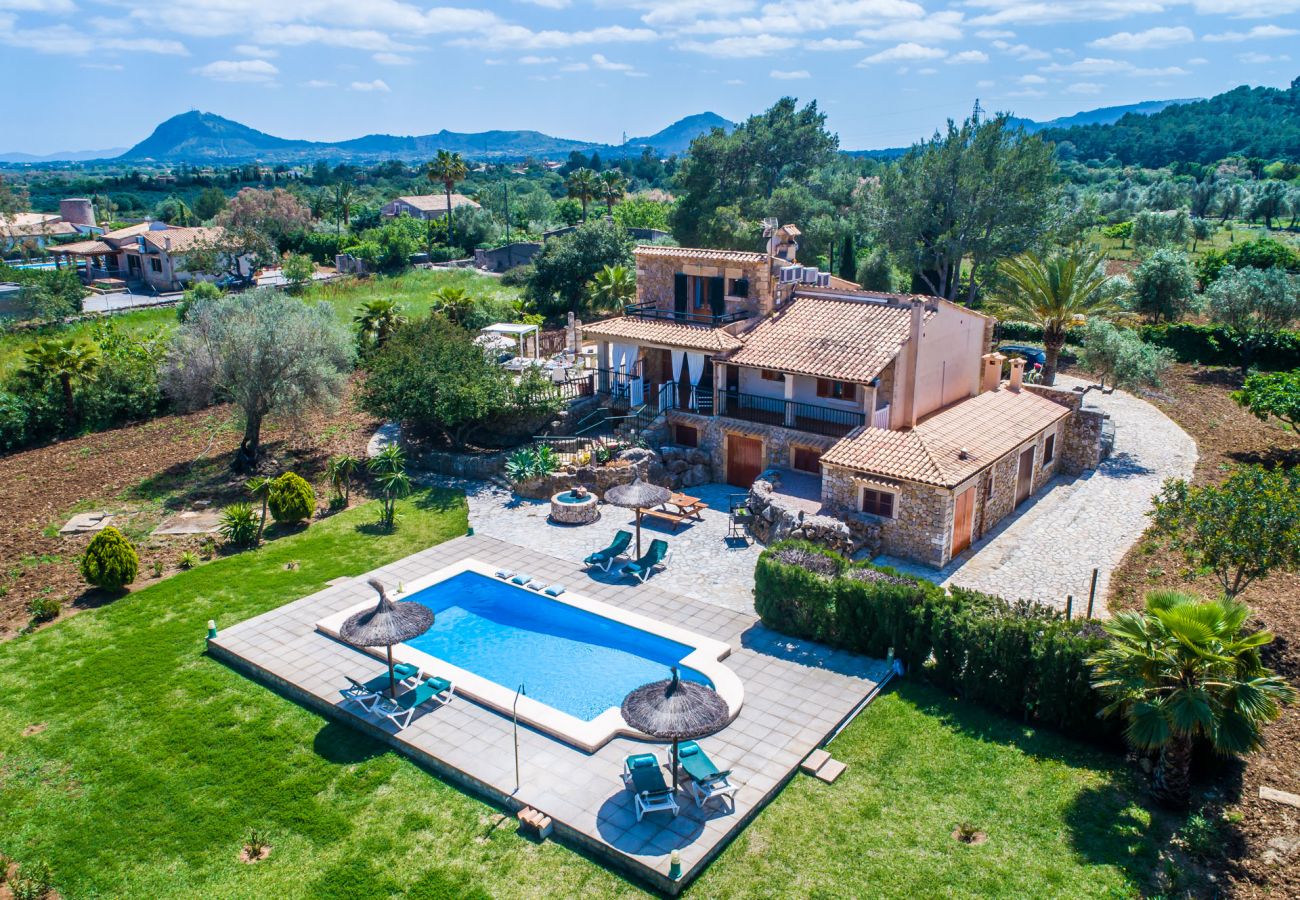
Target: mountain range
{"type": "Point", "coordinates": [203, 137]}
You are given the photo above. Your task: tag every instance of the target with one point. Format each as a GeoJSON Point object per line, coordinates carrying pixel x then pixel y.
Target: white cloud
{"type": "Point", "coordinates": [1027, 92]}
{"type": "Point", "coordinates": [984, 84]}
{"type": "Point", "coordinates": [967, 56]}
{"type": "Point", "coordinates": [1022, 52]}
{"type": "Point", "coordinates": [1091, 65]}
{"type": "Point", "coordinates": [549, 4]}
{"type": "Point", "coordinates": [255, 51]}
{"type": "Point", "coordinates": [941, 26]}
{"type": "Point", "coordinates": [41, 6]}
{"type": "Point", "coordinates": [1084, 87]}
{"type": "Point", "coordinates": [1259, 32]}
{"type": "Point", "coordinates": [902, 52]}
{"type": "Point", "coordinates": [370, 86]}
{"type": "Point", "coordinates": [733, 81]}
{"type": "Point", "coordinates": [518, 36]}
{"type": "Point", "coordinates": [1031, 79]}
{"type": "Point", "coordinates": [247, 71]}
{"type": "Point", "coordinates": [1246, 9]}
{"type": "Point", "coordinates": [1197, 61]}
{"type": "Point", "coordinates": [833, 44]}
{"type": "Point", "coordinates": [741, 47]}
{"type": "Point", "coordinates": [393, 59]}
{"type": "Point", "coordinates": [575, 67]}
{"type": "Point", "coordinates": [103, 67]}
{"type": "Point", "coordinates": [317, 84]}
{"type": "Point", "coordinates": [994, 34]}
{"type": "Point", "coordinates": [796, 75]}
{"type": "Point", "coordinates": [928, 70]}
{"type": "Point", "coordinates": [1256, 59]}
{"type": "Point", "coordinates": [1151, 39]}
{"type": "Point", "coordinates": [63, 40]}
{"type": "Point", "coordinates": [601, 62]}
{"type": "Point", "coordinates": [1051, 12]}
{"type": "Point", "coordinates": [357, 39]}
{"type": "Point", "coordinates": [534, 60]}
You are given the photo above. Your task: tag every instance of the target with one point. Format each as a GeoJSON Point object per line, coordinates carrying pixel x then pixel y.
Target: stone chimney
{"type": "Point", "coordinates": [991, 378]}
{"type": "Point", "coordinates": [1017, 373]}
{"type": "Point", "coordinates": [913, 361]}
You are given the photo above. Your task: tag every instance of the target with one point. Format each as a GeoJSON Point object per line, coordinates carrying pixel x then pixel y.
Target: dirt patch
{"type": "Point", "coordinates": [31, 730]}
{"type": "Point", "coordinates": [1199, 400]}
{"type": "Point", "coordinates": [969, 837]}
{"type": "Point", "coordinates": [249, 855]}
{"type": "Point", "coordinates": [141, 473]}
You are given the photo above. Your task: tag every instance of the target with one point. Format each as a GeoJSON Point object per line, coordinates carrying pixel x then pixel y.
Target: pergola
{"type": "Point", "coordinates": [519, 333]}
{"type": "Point", "coordinates": [95, 253]}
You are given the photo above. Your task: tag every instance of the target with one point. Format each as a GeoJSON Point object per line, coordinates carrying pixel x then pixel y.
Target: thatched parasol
{"type": "Point", "coordinates": [676, 711]}
{"type": "Point", "coordinates": [387, 624]}
{"type": "Point", "coordinates": [638, 495]}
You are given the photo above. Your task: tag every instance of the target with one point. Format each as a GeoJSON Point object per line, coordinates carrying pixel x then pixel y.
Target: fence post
{"type": "Point", "coordinates": [1092, 591]}
{"type": "Point", "coordinates": [1069, 605]}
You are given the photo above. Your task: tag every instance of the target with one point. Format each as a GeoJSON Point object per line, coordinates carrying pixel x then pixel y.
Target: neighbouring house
{"type": "Point", "coordinates": [150, 254]}
{"type": "Point", "coordinates": [76, 216]}
{"type": "Point", "coordinates": [426, 206]}
{"type": "Point", "coordinates": [893, 402]}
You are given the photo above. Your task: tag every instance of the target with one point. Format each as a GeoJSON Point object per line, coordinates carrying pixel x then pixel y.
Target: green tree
{"type": "Point", "coordinates": [298, 270]}
{"type": "Point", "coordinates": [1163, 285]}
{"type": "Point", "coordinates": [1050, 290]}
{"type": "Point", "coordinates": [1240, 530]}
{"type": "Point", "coordinates": [343, 199]}
{"type": "Point", "coordinates": [454, 302]}
{"type": "Point", "coordinates": [567, 264]}
{"type": "Point", "coordinates": [376, 321]}
{"type": "Point", "coordinates": [1202, 230]}
{"type": "Point", "coordinates": [1272, 394]}
{"type": "Point", "coordinates": [876, 272]}
{"type": "Point", "coordinates": [638, 211]}
{"type": "Point", "coordinates": [1261, 253]}
{"type": "Point", "coordinates": [449, 170]}
{"type": "Point", "coordinates": [388, 470]}
{"type": "Point", "coordinates": [65, 361]}
{"type": "Point", "coordinates": [268, 354]}
{"type": "Point", "coordinates": [611, 188]}
{"type": "Point", "coordinates": [980, 192]}
{"type": "Point", "coordinates": [1254, 304]}
{"type": "Point", "coordinates": [1120, 231]}
{"type": "Point", "coordinates": [583, 185]}
{"type": "Point", "coordinates": [209, 203]}
{"type": "Point", "coordinates": [1186, 669]}
{"type": "Point", "coordinates": [731, 177]}
{"type": "Point", "coordinates": [339, 470]}
{"type": "Point", "coordinates": [292, 499]}
{"type": "Point", "coordinates": [1269, 202]}
{"type": "Point", "coordinates": [613, 287]}
{"type": "Point", "coordinates": [1160, 229]}
{"type": "Point", "coordinates": [110, 562]}
{"type": "Point", "coordinates": [260, 487]}
{"type": "Point", "coordinates": [848, 259]}
{"type": "Point", "coordinates": [1121, 357]}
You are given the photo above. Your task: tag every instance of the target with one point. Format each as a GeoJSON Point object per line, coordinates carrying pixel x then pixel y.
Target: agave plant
{"type": "Point", "coordinates": [239, 525]}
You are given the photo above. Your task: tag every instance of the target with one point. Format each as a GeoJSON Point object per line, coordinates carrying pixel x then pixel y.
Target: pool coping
{"type": "Point", "coordinates": [705, 657]}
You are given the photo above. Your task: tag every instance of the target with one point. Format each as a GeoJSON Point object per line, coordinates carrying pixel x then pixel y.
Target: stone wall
{"type": "Point", "coordinates": [922, 525]}
{"type": "Point", "coordinates": [623, 469]}
{"type": "Point", "coordinates": [1079, 446]}
{"type": "Point", "coordinates": [655, 277]}
{"type": "Point", "coordinates": [479, 466]}
{"type": "Point", "coordinates": [778, 442]}
{"type": "Point", "coordinates": [777, 520]}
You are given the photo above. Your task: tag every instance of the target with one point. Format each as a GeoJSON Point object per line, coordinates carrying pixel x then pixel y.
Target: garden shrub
{"type": "Point", "coordinates": [239, 525]}
{"type": "Point", "coordinates": [44, 609]}
{"type": "Point", "coordinates": [292, 498]}
{"type": "Point", "coordinates": [110, 561]}
{"type": "Point", "coordinates": [1022, 659]}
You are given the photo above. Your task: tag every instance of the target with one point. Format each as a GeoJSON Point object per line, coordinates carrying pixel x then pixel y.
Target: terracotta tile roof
{"type": "Point", "coordinates": [987, 426]}
{"type": "Point", "coordinates": [127, 232]}
{"type": "Point", "coordinates": [437, 202]}
{"type": "Point", "coordinates": [828, 337]}
{"type": "Point", "coordinates": [701, 253]}
{"type": "Point", "coordinates": [179, 240]}
{"type": "Point", "coordinates": [35, 225]}
{"type": "Point", "coordinates": [664, 332]}
{"type": "Point", "coordinates": [85, 248]}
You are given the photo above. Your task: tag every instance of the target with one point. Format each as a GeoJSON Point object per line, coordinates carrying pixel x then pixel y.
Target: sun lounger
{"type": "Point", "coordinates": [365, 695]}
{"type": "Point", "coordinates": [706, 781]}
{"type": "Point", "coordinates": [603, 559]}
{"type": "Point", "coordinates": [407, 674]}
{"type": "Point", "coordinates": [401, 710]}
{"type": "Point", "coordinates": [657, 555]}
{"type": "Point", "coordinates": [643, 776]}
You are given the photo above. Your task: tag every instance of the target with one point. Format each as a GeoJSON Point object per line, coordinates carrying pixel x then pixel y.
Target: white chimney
{"type": "Point", "coordinates": [1017, 373]}
{"type": "Point", "coordinates": [992, 372]}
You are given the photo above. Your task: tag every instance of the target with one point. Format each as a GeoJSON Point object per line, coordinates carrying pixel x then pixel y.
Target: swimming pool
{"type": "Point", "coordinates": [577, 658]}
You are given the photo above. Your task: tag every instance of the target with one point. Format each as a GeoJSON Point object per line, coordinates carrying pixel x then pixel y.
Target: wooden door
{"type": "Point", "coordinates": [963, 518]}
{"type": "Point", "coordinates": [1025, 476]}
{"type": "Point", "coordinates": [744, 460]}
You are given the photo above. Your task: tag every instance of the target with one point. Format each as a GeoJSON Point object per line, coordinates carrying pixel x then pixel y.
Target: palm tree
{"type": "Point", "coordinates": [449, 169]}
{"type": "Point", "coordinates": [1183, 670]}
{"type": "Point", "coordinates": [339, 470]}
{"type": "Point", "coordinates": [376, 322]}
{"type": "Point", "coordinates": [68, 361]}
{"type": "Point", "coordinates": [343, 201]}
{"type": "Point", "coordinates": [613, 287]}
{"type": "Point", "coordinates": [388, 467]}
{"type": "Point", "coordinates": [260, 487]}
{"type": "Point", "coordinates": [611, 188]}
{"type": "Point", "coordinates": [1051, 291]}
{"type": "Point", "coordinates": [583, 185]}
{"type": "Point", "coordinates": [454, 302]}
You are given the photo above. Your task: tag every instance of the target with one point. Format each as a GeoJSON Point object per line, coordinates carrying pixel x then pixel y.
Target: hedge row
{"type": "Point", "coordinates": [1021, 659]}
{"type": "Point", "coordinates": [1208, 345]}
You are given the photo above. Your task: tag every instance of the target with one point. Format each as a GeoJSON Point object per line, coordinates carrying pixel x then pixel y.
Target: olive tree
{"type": "Point", "coordinates": [1120, 357]}
{"type": "Point", "coordinates": [267, 354]}
{"type": "Point", "coordinates": [1163, 286]}
{"type": "Point", "coordinates": [1254, 304]}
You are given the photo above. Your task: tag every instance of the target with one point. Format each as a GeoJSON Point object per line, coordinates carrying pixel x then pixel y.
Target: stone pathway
{"type": "Point", "coordinates": [1048, 550]}
{"type": "Point", "coordinates": [705, 566]}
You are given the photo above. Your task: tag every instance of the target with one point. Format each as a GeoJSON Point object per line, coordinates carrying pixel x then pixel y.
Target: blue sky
{"type": "Point", "coordinates": [88, 74]}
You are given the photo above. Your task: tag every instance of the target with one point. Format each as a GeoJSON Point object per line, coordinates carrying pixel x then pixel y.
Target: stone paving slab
{"type": "Point", "coordinates": [83, 523]}
{"type": "Point", "coordinates": [1048, 549]}
{"type": "Point", "coordinates": [191, 521]}
{"type": "Point", "coordinates": [796, 696]}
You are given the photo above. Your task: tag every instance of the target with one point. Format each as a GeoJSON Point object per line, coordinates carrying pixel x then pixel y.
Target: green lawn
{"type": "Point", "coordinates": [149, 762]}
{"type": "Point", "coordinates": [13, 343]}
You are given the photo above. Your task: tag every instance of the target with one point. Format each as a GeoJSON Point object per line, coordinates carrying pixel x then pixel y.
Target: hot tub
{"type": "Point", "coordinates": [569, 508]}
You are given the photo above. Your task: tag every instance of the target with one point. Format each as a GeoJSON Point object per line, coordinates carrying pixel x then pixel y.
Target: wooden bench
{"type": "Point", "coordinates": [667, 516]}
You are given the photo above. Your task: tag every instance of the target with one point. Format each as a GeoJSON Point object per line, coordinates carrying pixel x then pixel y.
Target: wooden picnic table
{"type": "Point", "coordinates": [687, 508]}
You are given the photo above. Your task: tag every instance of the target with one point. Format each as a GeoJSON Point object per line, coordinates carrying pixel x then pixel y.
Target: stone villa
{"type": "Point", "coordinates": [894, 402]}
{"type": "Point", "coordinates": [152, 254]}
{"type": "Point", "coordinates": [425, 206]}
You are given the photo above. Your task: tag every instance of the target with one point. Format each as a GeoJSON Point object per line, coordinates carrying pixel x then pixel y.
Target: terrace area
{"type": "Point", "coordinates": [797, 695]}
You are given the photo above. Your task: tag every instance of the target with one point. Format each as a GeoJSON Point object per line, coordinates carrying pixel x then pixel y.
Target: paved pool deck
{"type": "Point", "coordinates": [797, 695]}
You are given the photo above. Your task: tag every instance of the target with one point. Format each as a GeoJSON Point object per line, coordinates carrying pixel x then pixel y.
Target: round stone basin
{"type": "Point", "coordinates": [571, 509]}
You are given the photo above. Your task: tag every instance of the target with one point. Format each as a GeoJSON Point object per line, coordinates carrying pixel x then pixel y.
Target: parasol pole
{"type": "Point", "coordinates": [392, 678]}
{"type": "Point", "coordinates": [672, 688]}
{"type": "Point", "coordinates": [638, 532]}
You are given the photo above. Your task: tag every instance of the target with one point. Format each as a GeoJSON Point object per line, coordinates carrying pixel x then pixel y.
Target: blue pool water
{"type": "Point", "coordinates": [575, 661]}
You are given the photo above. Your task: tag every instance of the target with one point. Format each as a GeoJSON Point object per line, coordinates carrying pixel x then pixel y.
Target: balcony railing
{"type": "Point", "coordinates": [651, 311]}
{"type": "Point", "coordinates": [789, 413]}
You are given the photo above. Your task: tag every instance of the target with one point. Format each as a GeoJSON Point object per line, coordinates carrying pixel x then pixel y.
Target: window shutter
{"type": "Point", "coordinates": [823, 387]}
{"type": "Point", "coordinates": [679, 295]}
{"type": "Point", "coordinates": [718, 295]}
